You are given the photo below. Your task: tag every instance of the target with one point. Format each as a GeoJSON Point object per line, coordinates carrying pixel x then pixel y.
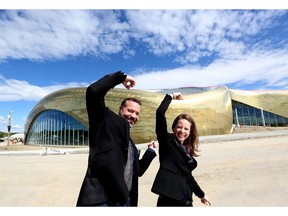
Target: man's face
{"type": "Point", "coordinates": [130, 111]}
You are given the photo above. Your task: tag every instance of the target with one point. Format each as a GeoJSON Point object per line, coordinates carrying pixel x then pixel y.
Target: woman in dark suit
{"type": "Point", "coordinates": [174, 182]}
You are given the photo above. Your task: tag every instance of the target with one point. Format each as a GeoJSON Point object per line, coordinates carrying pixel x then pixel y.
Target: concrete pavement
{"type": "Point", "coordinates": [237, 170]}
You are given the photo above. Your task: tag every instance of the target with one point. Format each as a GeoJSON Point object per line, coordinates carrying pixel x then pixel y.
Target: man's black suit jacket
{"type": "Point", "coordinates": [109, 135]}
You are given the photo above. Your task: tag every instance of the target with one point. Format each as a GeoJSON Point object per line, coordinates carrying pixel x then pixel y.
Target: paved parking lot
{"type": "Point", "coordinates": [244, 171]}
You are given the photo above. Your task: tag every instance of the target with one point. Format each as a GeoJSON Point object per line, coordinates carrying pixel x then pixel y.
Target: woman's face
{"type": "Point", "coordinates": [182, 130]}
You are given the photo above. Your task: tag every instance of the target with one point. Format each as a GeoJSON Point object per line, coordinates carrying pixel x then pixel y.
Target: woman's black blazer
{"type": "Point", "coordinates": [174, 178]}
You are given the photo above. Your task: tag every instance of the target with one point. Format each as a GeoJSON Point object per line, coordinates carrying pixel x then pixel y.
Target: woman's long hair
{"type": "Point", "coordinates": [192, 142]}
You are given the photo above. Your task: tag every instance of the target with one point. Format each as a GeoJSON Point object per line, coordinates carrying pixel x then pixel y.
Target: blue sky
{"type": "Point", "coordinates": [42, 51]}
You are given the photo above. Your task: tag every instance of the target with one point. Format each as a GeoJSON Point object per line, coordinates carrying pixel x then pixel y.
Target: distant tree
{"type": "Point", "coordinates": [5, 134]}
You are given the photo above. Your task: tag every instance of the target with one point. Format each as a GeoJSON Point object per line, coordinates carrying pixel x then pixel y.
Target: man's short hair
{"type": "Point", "coordinates": [123, 104]}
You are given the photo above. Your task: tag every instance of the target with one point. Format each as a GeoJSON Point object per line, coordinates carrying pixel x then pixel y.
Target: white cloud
{"type": "Point", "coordinates": [2, 120]}
{"type": "Point", "coordinates": [200, 33]}
{"type": "Point", "coordinates": [269, 68]}
{"type": "Point", "coordinates": [192, 34]}
{"type": "Point", "coordinates": [14, 90]}
{"type": "Point", "coordinates": [56, 34]}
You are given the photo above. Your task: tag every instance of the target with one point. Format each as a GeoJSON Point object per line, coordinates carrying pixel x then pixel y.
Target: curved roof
{"type": "Point", "coordinates": [211, 107]}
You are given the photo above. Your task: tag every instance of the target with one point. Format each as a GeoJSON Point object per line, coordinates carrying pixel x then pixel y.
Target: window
{"type": "Point", "coordinates": [244, 114]}
{"type": "Point", "coordinates": [54, 127]}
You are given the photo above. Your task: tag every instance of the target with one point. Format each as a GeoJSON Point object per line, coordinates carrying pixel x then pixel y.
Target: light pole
{"type": "Point", "coordinates": [9, 127]}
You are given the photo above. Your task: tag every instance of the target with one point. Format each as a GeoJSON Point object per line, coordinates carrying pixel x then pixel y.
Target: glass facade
{"type": "Point", "coordinates": [244, 114]}
{"type": "Point", "coordinates": [54, 127]}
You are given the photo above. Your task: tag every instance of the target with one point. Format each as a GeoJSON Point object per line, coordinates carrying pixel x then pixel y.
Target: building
{"type": "Point", "coordinates": [60, 118]}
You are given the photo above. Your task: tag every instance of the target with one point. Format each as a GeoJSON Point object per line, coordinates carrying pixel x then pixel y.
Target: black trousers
{"type": "Point", "coordinates": [164, 201]}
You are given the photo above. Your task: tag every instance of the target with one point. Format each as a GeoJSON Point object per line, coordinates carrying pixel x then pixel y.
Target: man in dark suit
{"type": "Point", "coordinates": [113, 164]}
